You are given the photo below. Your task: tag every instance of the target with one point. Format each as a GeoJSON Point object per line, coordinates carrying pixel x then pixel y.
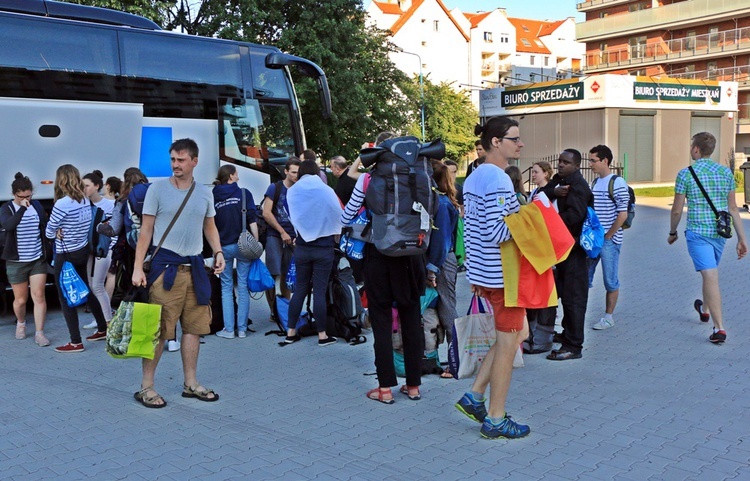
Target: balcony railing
{"type": "Point", "coordinates": [743, 113]}
{"type": "Point", "coordinates": [668, 50]}
{"type": "Point", "coordinates": [584, 6]}
{"type": "Point", "coordinates": [665, 17]}
{"type": "Point", "coordinates": [488, 66]}
{"type": "Point", "coordinates": [741, 75]}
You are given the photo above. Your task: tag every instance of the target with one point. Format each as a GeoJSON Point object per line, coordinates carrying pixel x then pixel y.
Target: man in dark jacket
{"type": "Point", "coordinates": [573, 196]}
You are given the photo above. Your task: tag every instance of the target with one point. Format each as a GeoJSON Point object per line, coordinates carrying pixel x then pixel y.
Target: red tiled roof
{"type": "Point", "coordinates": [389, 8]}
{"type": "Point", "coordinates": [535, 27]}
{"type": "Point", "coordinates": [475, 18]}
{"type": "Point", "coordinates": [414, 6]}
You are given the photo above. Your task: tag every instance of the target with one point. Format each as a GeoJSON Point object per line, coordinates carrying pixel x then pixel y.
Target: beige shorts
{"type": "Point", "coordinates": [180, 303]}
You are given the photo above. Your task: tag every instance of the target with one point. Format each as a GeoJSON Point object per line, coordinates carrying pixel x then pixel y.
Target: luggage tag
{"type": "Point", "coordinates": [424, 217]}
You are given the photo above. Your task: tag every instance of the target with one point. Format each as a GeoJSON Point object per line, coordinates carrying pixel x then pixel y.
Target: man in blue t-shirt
{"type": "Point", "coordinates": [280, 235]}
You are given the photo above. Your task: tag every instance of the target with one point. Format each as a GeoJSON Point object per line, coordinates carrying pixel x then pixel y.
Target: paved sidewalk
{"type": "Point", "coordinates": [651, 399]}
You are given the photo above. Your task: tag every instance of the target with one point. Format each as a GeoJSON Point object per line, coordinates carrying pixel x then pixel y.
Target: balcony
{"type": "Point", "coordinates": [488, 66]}
{"type": "Point", "coordinates": [735, 41]}
{"type": "Point", "coordinates": [682, 14]}
{"type": "Point", "coordinates": [504, 66]}
{"type": "Point", "coordinates": [741, 75]}
{"type": "Point", "coordinates": [593, 4]}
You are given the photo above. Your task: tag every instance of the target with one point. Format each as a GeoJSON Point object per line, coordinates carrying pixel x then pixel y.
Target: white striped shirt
{"type": "Point", "coordinates": [607, 210]}
{"type": "Point", "coordinates": [74, 218]}
{"type": "Point", "coordinates": [356, 201]}
{"type": "Point", "coordinates": [29, 240]}
{"type": "Point", "coordinates": [488, 197]}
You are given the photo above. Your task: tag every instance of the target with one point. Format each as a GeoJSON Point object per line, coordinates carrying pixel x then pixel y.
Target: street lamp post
{"type": "Point", "coordinates": [421, 84]}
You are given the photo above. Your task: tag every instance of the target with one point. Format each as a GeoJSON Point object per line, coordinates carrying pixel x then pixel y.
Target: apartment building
{"type": "Point", "coordinates": [704, 40]}
{"type": "Point", "coordinates": [476, 50]}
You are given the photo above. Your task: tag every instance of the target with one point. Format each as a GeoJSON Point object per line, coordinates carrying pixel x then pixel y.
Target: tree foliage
{"type": "Point", "coordinates": [368, 93]}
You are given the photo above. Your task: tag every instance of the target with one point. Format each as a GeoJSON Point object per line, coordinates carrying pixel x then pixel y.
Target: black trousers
{"type": "Point", "coordinates": [79, 259]}
{"type": "Point", "coordinates": [399, 280]}
{"type": "Point", "coordinates": [573, 289]}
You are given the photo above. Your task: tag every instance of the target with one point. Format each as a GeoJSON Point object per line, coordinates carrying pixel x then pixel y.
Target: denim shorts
{"type": "Point", "coordinates": [610, 258]}
{"type": "Point", "coordinates": [278, 256]}
{"type": "Point", "coordinates": [705, 251]}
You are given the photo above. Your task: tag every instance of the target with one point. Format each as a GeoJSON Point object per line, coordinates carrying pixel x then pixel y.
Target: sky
{"type": "Point", "coordinates": [533, 9]}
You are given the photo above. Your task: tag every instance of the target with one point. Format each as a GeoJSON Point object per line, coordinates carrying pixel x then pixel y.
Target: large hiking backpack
{"type": "Point", "coordinates": [134, 212]}
{"type": "Point", "coordinates": [345, 312]}
{"type": "Point", "coordinates": [401, 196]}
{"type": "Point", "coordinates": [98, 243]}
{"type": "Point", "coordinates": [631, 202]}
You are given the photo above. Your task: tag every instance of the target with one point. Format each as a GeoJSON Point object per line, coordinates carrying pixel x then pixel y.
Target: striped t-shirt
{"type": "Point", "coordinates": [606, 210]}
{"type": "Point", "coordinates": [488, 198]}
{"type": "Point", "coordinates": [74, 218]}
{"type": "Point", "coordinates": [29, 240]}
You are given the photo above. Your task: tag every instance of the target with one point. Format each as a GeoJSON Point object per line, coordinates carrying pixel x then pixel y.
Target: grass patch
{"type": "Point", "coordinates": [654, 191]}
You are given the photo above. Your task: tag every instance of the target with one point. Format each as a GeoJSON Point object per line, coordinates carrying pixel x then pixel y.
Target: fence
{"type": "Point", "coordinates": [586, 171]}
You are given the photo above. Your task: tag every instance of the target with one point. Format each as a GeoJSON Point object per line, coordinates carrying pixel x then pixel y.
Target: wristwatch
{"type": "Point", "coordinates": [673, 233]}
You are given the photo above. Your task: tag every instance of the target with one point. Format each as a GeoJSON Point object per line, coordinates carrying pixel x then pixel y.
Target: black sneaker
{"type": "Point", "coordinates": [327, 342]}
{"type": "Point", "coordinates": [718, 336]}
{"type": "Point", "coordinates": [698, 305]}
{"type": "Point", "coordinates": [292, 339]}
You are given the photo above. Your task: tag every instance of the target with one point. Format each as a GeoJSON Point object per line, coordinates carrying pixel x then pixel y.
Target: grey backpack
{"type": "Point", "coordinates": [401, 196]}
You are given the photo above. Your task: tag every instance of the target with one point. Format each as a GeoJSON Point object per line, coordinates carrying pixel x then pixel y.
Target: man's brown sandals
{"type": "Point", "coordinates": [154, 401]}
{"type": "Point", "coordinates": [200, 392]}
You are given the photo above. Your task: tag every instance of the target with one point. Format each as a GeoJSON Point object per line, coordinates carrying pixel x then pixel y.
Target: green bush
{"type": "Point", "coordinates": [739, 180]}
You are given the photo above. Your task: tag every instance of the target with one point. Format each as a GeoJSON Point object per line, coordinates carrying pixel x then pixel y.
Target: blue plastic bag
{"type": "Point", "coordinates": [291, 275]}
{"type": "Point", "coordinates": [282, 307]}
{"type": "Point", "coordinates": [592, 234]}
{"type": "Point", "coordinates": [259, 279]}
{"type": "Point", "coordinates": [73, 288]}
{"type": "Point", "coordinates": [353, 248]}
{"type": "Point", "coordinates": [356, 235]}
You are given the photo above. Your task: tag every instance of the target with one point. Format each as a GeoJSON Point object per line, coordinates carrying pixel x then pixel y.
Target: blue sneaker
{"type": "Point", "coordinates": [473, 409]}
{"type": "Point", "coordinates": [507, 428]}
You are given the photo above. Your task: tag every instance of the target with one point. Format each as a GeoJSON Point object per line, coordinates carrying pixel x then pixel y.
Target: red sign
{"type": "Point", "coordinates": [594, 86]}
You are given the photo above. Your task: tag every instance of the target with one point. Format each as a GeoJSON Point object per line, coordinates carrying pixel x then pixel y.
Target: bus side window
{"type": "Point", "coordinates": [239, 133]}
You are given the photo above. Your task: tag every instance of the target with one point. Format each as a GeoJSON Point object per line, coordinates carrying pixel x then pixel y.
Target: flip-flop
{"type": "Point", "coordinates": [149, 401]}
{"type": "Point", "coordinates": [446, 375]}
{"type": "Point", "coordinates": [377, 395]}
{"type": "Point", "coordinates": [698, 305]}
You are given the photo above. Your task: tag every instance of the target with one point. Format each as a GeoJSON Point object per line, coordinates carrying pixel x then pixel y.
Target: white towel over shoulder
{"type": "Point", "coordinates": [314, 208]}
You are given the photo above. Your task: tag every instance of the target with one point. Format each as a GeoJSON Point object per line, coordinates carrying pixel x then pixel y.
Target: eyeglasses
{"type": "Point", "coordinates": [24, 196]}
{"type": "Point", "coordinates": [594, 161]}
{"type": "Point", "coordinates": [515, 140]}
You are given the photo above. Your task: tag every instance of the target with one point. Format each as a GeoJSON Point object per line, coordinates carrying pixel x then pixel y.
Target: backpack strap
{"type": "Point", "coordinates": [612, 188]}
{"type": "Point", "coordinates": [276, 195]}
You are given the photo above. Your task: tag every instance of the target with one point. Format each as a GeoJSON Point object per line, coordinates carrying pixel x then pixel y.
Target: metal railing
{"type": "Point", "coordinates": [740, 75]}
{"type": "Point", "coordinates": [597, 3]}
{"type": "Point", "coordinates": [679, 48]}
{"type": "Point", "coordinates": [586, 171]}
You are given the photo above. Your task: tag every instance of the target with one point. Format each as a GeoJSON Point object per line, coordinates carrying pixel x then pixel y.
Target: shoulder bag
{"type": "Point", "coordinates": [723, 219]}
{"type": "Point", "coordinates": [147, 260]}
{"type": "Point", "coordinates": [249, 247]}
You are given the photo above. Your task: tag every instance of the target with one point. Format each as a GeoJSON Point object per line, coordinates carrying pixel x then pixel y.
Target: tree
{"type": "Point", "coordinates": [449, 115]}
{"type": "Point", "coordinates": [366, 88]}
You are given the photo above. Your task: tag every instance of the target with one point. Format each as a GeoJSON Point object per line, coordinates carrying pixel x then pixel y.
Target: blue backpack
{"type": "Point", "coordinates": [133, 210]}
{"type": "Point", "coordinates": [98, 243]}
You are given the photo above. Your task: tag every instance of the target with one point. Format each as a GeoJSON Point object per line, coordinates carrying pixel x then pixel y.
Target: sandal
{"type": "Point", "coordinates": [407, 390]}
{"type": "Point", "coordinates": [379, 394]}
{"type": "Point", "coordinates": [150, 401]}
{"type": "Point", "coordinates": [199, 392]}
{"type": "Point", "coordinates": [446, 374]}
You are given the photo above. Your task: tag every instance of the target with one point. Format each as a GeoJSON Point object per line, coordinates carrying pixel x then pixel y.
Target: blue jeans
{"type": "Point", "coordinates": [313, 264]}
{"type": "Point", "coordinates": [610, 257]}
{"type": "Point", "coordinates": [227, 289]}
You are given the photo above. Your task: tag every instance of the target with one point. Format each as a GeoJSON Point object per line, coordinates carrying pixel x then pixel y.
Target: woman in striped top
{"type": "Point", "coordinates": [69, 225]}
{"type": "Point", "coordinates": [25, 255]}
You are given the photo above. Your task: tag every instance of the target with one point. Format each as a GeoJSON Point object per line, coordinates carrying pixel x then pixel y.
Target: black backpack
{"type": "Point", "coordinates": [345, 312]}
{"type": "Point", "coordinates": [631, 203]}
{"type": "Point", "coordinates": [401, 196]}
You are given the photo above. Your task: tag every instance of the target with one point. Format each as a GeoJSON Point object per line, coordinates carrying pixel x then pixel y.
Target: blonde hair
{"type": "Point", "coordinates": [68, 183]}
{"type": "Point", "coordinates": [546, 168]}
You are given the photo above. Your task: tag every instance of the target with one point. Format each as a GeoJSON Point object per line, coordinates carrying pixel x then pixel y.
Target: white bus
{"type": "Point", "coordinates": [103, 89]}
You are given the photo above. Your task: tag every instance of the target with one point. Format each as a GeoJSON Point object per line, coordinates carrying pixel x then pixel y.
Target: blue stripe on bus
{"type": "Point", "coordinates": [155, 142]}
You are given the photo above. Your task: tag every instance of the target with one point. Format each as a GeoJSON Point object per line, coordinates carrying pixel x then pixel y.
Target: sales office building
{"type": "Point", "coordinates": [647, 121]}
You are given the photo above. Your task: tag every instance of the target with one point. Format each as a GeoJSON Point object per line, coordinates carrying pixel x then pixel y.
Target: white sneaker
{"type": "Point", "coordinates": [241, 334]}
{"type": "Point", "coordinates": [225, 334]}
{"type": "Point", "coordinates": [173, 345]}
{"type": "Point", "coordinates": [604, 323]}
{"type": "Point", "coordinates": [90, 325]}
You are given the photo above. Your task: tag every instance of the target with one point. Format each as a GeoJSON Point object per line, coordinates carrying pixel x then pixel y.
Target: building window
{"type": "Point", "coordinates": [712, 68]}
{"type": "Point", "coordinates": [603, 14]}
{"type": "Point", "coordinates": [424, 44]}
{"type": "Point", "coordinates": [689, 71]}
{"type": "Point", "coordinates": [713, 37]}
{"type": "Point", "coordinates": [531, 59]}
{"type": "Point", "coordinates": [488, 37]}
{"type": "Point", "coordinates": [637, 47]}
{"type": "Point", "coordinates": [503, 38]}
{"type": "Point", "coordinates": [638, 6]}
{"type": "Point", "coordinates": [690, 40]}
{"type": "Point", "coordinates": [525, 28]}
{"type": "Point", "coordinates": [525, 42]}
{"type": "Point", "coordinates": [435, 25]}
{"type": "Point", "coordinates": [546, 61]}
